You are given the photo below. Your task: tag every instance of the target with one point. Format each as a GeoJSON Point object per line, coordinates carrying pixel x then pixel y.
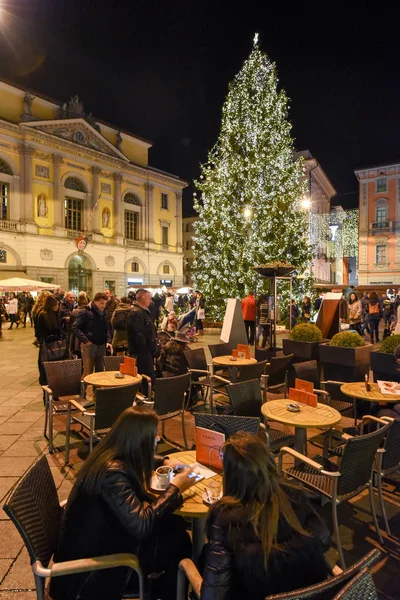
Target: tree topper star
{"type": "Point", "coordinates": [255, 41]}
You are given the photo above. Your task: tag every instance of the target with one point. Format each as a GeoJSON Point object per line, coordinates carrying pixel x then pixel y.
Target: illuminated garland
{"type": "Point", "coordinates": [345, 237]}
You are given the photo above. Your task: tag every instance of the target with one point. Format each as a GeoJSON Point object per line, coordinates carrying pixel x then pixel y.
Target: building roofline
{"type": "Point", "coordinates": [386, 165]}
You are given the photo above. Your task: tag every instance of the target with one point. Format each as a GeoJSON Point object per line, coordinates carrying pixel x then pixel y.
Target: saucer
{"type": "Point", "coordinates": [155, 485]}
{"type": "Point", "coordinates": [209, 502]}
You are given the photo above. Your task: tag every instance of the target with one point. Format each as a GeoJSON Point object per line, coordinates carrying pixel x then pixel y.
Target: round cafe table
{"type": "Point", "coordinates": [108, 379]}
{"type": "Point", "coordinates": [323, 416]}
{"type": "Point", "coordinates": [193, 506]}
{"type": "Point", "coordinates": [233, 365]}
{"type": "Point", "coordinates": [357, 391]}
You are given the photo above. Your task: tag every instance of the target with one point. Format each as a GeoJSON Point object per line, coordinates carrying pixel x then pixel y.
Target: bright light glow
{"type": "Point", "coordinates": [333, 229]}
{"type": "Point", "coordinates": [306, 203]}
{"type": "Point", "coordinates": [247, 213]}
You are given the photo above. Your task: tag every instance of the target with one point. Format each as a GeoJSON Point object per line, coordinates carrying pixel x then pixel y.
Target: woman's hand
{"type": "Point", "coordinates": [183, 481]}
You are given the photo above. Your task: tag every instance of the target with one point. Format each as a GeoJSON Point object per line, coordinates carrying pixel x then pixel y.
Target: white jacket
{"type": "Point", "coordinates": [12, 307]}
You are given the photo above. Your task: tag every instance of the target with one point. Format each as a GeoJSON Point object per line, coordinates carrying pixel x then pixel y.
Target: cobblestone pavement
{"type": "Point", "coordinates": [21, 441]}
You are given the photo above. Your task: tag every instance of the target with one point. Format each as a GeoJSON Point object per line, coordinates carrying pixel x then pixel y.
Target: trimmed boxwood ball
{"type": "Point", "coordinates": [347, 339]}
{"type": "Point", "coordinates": [306, 332]}
{"type": "Point", "coordinates": [389, 344]}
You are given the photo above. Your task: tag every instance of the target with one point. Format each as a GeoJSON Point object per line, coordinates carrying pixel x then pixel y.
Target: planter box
{"type": "Point", "coordinates": [384, 367]}
{"type": "Point", "coordinates": [345, 364]}
{"type": "Point", "coordinates": [302, 350]}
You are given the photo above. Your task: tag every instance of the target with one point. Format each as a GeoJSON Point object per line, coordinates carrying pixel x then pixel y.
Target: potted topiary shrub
{"type": "Point", "coordinates": [383, 362]}
{"type": "Point", "coordinates": [304, 341]}
{"type": "Point", "coordinates": [346, 357]}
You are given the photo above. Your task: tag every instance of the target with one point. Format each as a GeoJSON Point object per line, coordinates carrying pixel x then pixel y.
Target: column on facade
{"type": "Point", "coordinates": [58, 198]}
{"type": "Point", "coordinates": [118, 212]}
{"type": "Point", "coordinates": [26, 191]}
{"type": "Point", "coordinates": [363, 232]}
{"type": "Point", "coordinates": [178, 213]}
{"type": "Point", "coordinates": [149, 187]}
{"type": "Point", "coordinates": [94, 224]}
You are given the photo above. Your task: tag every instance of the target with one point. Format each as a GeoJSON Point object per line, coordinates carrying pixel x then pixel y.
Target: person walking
{"type": "Point", "coordinates": [119, 324]}
{"type": "Point", "coordinates": [92, 329]}
{"type": "Point", "coordinates": [295, 313]}
{"type": "Point", "coordinates": [74, 343]}
{"type": "Point", "coordinates": [29, 303]}
{"type": "Point", "coordinates": [306, 309]}
{"type": "Point", "coordinates": [47, 329]}
{"type": "Point", "coordinates": [2, 314]}
{"type": "Point", "coordinates": [67, 305]}
{"type": "Point", "coordinates": [169, 303]}
{"type": "Point", "coordinates": [354, 312]}
{"type": "Point", "coordinates": [364, 314]}
{"type": "Point", "coordinates": [387, 311]}
{"type": "Point", "coordinates": [263, 320]}
{"type": "Point", "coordinates": [12, 311]}
{"type": "Point", "coordinates": [142, 342]}
{"type": "Point", "coordinates": [249, 312]}
{"type": "Point", "coordinates": [112, 303]}
{"type": "Point", "coordinates": [200, 312]}
{"type": "Point", "coordinates": [374, 316]}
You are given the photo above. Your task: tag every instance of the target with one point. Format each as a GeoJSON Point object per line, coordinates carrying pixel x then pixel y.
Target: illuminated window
{"type": "Point", "coordinates": [73, 214]}
{"type": "Point", "coordinates": [131, 225]}
{"type": "Point", "coordinates": [135, 267]}
{"type": "Point", "coordinates": [381, 184]}
{"type": "Point", "coordinates": [164, 201]}
{"type": "Point", "coordinates": [165, 269]}
{"type": "Point", "coordinates": [164, 236]}
{"type": "Point", "coordinates": [4, 194]}
{"type": "Point", "coordinates": [381, 254]}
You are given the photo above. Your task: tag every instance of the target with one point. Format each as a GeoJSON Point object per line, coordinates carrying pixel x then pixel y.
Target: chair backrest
{"type": "Point", "coordinates": [277, 369]}
{"type": "Point", "coordinates": [327, 589]}
{"type": "Point", "coordinates": [219, 349]}
{"type": "Point", "coordinates": [64, 377]}
{"type": "Point", "coordinates": [334, 391]}
{"type": "Point", "coordinates": [227, 424]}
{"type": "Point", "coordinates": [264, 354]}
{"type": "Point", "coordinates": [308, 371]}
{"type": "Point", "coordinates": [34, 509]}
{"type": "Point", "coordinates": [357, 460]}
{"type": "Point", "coordinates": [196, 359]}
{"type": "Point", "coordinates": [111, 402]}
{"type": "Point", "coordinates": [170, 393]}
{"type": "Point", "coordinates": [113, 363]}
{"type": "Point", "coordinates": [361, 587]}
{"type": "Point", "coordinates": [391, 457]}
{"type": "Point", "coordinates": [245, 397]}
{"type": "Point", "coordinates": [253, 371]}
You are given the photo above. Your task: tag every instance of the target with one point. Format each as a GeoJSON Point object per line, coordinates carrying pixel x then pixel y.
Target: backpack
{"type": "Point", "coordinates": [374, 309]}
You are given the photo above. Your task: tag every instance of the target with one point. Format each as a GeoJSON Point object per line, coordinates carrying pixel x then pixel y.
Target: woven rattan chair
{"type": "Point", "coordinates": [254, 371]}
{"type": "Point", "coordinates": [361, 587]}
{"type": "Point", "coordinates": [219, 349]}
{"type": "Point", "coordinates": [34, 509]}
{"type": "Point", "coordinates": [227, 424]}
{"type": "Point", "coordinates": [319, 591]}
{"type": "Point", "coordinates": [113, 363]}
{"type": "Point", "coordinates": [339, 483]}
{"type": "Point", "coordinates": [246, 401]}
{"type": "Point", "coordinates": [64, 381]}
{"type": "Point", "coordinates": [171, 396]}
{"type": "Point", "coordinates": [110, 403]}
{"type": "Point", "coordinates": [277, 371]}
{"type": "Point", "coordinates": [390, 463]}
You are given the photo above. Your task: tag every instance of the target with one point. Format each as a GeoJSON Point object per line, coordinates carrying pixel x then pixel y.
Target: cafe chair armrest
{"type": "Point", "coordinates": [96, 563]}
{"type": "Point", "coordinates": [387, 419]}
{"type": "Point", "coordinates": [299, 456]}
{"type": "Point", "coordinates": [46, 389]}
{"type": "Point", "coordinates": [221, 379]}
{"type": "Point", "coordinates": [321, 393]}
{"type": "Point", "coordinates": [369, 418]}
{"type": "Point", "coordinates": [188, 568]}
{"type": "Point", "coordinates": [78, 405]}
{"type": "Point", "coordinates": [199, 371]}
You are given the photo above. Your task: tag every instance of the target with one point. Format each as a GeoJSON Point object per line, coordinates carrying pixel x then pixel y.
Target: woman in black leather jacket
{"type": "Point", "coordinates": [110, 510]}
{"type": "Point", "coordinates": [263, 535]}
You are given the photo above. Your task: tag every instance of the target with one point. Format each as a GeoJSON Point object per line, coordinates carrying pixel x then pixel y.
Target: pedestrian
{"type": "Point", "coordinates": [74, 343]}
{"type": "Point", "coordinates": [142, 342]}
{"type": "Point", "coordinates": [157, 305]}
{"type": "Point", "coordinates": [387, 311]}
{"type": "Point", "coordinates": [169, 303]}
{"type": "Point", "coordinates": [172, 323]}
{"type": "Point", "coordinates": [172, 361]}
{"type": "Point", "coordinates": [119, 324]}
{"type": "Point", "coordinates": [354, 313]}
{"type": "Point", "coordinates": [343, 309]}
{"type": "Point", "coordinates": [264, 326]}
{"type": "Point", "coordinates": [295, 313]}
{"type": "Point", "coordinates": [249, 312]}
{"type": "Point", "coordinates": [200, 312]}
{"type": "Point", "coordinates": [364, 314]}
{"type": "Point", "coordinates": [47, 329]}
{"type": "Point", "coordinates": [306, 309]}
{"type": "Point", "coordinates": [29, 303]}
{"type": "Point", "coordinates": [2, 314]}
{"type": "Point", "coordinates": [67, 305]}
{"type": "Point", "coordinates": [318, 302]}
{"type": "Point", "coordinates": [93, 331]}
{"type": "Point", "coordinates": [12, 311]}
{"type": "Point", "coordinates": [374, 316]}
{"type": "Point", "coordinates": [112, 303]}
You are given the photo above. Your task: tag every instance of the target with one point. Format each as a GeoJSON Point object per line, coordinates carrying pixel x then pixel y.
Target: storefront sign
{"type": "Point", "coordinates": [166, 282]}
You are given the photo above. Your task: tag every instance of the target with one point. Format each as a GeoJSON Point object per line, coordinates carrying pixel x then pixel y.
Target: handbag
{"type": "Point", "coordinates": [56, 350]}
{"type": "Point", "coordinates": [201, 314]}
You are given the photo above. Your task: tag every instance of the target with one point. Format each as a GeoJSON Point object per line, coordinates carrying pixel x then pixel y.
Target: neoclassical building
{"type": "Point", "coordinates": [79, 204]}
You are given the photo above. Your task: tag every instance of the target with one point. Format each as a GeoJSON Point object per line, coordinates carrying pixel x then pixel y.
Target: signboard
{"type": "Point", "coordinates": [81, 243]}
{"type": "Point", "coordinates": [233, 330]}
{"type": "Point", "coordinates": [133, 281]}
{"type": "Point", "coordinates": [166, 282]}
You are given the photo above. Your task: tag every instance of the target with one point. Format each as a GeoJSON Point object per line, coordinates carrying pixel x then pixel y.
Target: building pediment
{"type": "Point", "coordinates": [77, 131]}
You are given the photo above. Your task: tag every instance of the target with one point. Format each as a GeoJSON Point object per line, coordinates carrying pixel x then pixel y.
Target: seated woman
{"type": "Point", "coordinates": [110, 510]}
{"type": "Point", "coordinates": [263, 535]}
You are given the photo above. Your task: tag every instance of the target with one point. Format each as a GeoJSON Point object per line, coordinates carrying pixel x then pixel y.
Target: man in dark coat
{"type": "Point", "coordinates": [142, 343]}
{"type": "Point", "coordinates": [111, 305]}
{"type": "Point", "coordinates": [67, 305]}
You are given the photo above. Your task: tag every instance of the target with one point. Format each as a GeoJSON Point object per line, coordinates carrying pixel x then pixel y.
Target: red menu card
{"type": "Point", "coordinates": [208, 447]}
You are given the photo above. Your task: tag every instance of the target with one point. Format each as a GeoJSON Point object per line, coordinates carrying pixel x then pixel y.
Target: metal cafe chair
{"type": "Point", "coordinates": [339, 483]}
{"type": "Point", "coordinates": [34, 509]}
{"type": "Point", "coordinates": [64, 381]}
{"type": "Point", "coordinates": [319, 591]}
{"type": "Point", "coordinates": [202, 375]}
{"type": "Point", "coordinates": [110, 403]}
{"type": "Point", "coordinates": [112, 363]}
{"type": "Point", "coordinates": [227, 424]}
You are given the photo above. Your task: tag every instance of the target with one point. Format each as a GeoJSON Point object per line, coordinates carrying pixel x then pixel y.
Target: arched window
{"type": "Point", "coordinates": [166, 269]}
{"type": "Point", "coordinates": [131, 198]}
{"type": "Point", "coordinates": [5, 167]}
{"type": "Point", "coordinates": [73, 183]}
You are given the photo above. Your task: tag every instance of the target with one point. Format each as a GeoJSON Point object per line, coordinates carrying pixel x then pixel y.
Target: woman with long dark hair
{"type": "Point", "coordinates": [263, 535]}
{"type": "Point", "coordinates": [110, 510]}
{"type": "Point", "coordinates": [47, 329]}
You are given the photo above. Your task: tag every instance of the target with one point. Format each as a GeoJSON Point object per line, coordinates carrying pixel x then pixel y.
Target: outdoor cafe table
{"type": "Point", "coordinates": [233, 365]}
{"type": "Point", "coordinates": [193, 506]}
{"type": "Point", "coordinates": [323, 416]}
{"type": "Point", "coordinates": [357, 390]}
{"type": "Point", "coordinates": [108, 379]}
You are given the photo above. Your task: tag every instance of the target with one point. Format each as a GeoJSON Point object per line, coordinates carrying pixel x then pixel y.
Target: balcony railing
{"type": "Point", "coordinates": [377, 226]}
{"type": "Point", "coordinates": [6, 225]}
{"type": "Point", "coordinates": [134, 243]}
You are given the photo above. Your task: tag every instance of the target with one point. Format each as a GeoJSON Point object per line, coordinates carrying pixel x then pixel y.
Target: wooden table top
{"type": "Point", "coordinates": [193, 505]}
{"type": "Point", "coordinates": [357, 390]}
{"type": "Point", "coordinates": [108, 379]}
{"type": "Point", "coordinates": [239, 362]}
{"type": "Point", "coordinates": [321, 416]}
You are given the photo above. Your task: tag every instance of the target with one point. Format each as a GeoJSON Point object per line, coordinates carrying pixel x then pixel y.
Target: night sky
{"type": "Point", "coordinates": [161, 70]}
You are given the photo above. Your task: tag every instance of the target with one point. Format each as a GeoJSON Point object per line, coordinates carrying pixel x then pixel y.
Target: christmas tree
{"type": "Point", "coordinates": [249, 190]}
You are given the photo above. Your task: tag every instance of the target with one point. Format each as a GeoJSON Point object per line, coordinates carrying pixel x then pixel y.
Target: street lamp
{"type": "Point", "coordinates": [306, 203]}
{"type": "Point", "coordinates": [247, 213]}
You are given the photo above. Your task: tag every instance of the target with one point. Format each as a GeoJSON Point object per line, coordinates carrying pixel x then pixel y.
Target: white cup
{"type": "Point", "coordinates": [164, 476]}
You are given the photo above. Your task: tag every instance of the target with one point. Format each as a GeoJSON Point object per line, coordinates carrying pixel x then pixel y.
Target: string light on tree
{"type": "Point", "coordinates": [249, 190]}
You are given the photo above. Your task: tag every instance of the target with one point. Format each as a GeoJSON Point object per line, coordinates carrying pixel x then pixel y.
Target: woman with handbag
{"type": "Point", "coordinates": [48, 331]}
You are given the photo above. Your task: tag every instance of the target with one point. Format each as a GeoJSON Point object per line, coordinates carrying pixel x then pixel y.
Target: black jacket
{"type": "Point", "coordinates": [234, 558]}
{"type": "Point", "coordinates": [115, 521]}
{"type": "Point", "coordinates": [91, 325]}
{"type": "Point", "coordinates": [48, 327]}
{"type": "Point", "coordinates": [141, 331]}
{"type": "Point", "coordinates": [110, 307]}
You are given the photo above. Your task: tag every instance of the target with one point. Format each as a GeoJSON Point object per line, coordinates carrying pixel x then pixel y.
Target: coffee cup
{"type": "Point", "coordinates": [164, 476]}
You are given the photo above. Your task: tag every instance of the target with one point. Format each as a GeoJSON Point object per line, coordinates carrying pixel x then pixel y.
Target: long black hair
{"type": "Point", "coordinates": [131, 442]}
